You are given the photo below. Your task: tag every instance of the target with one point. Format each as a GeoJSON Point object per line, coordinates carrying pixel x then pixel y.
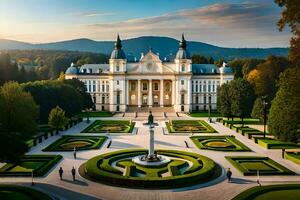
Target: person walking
{"type": "Point", "coordinates": [60, 171]}
{"type": "Point", "coordinates": [74, 153]}
{"type": "Point", "coordinates": [229, 174]}
{"type": "Point", "coordinates": [73, 171]}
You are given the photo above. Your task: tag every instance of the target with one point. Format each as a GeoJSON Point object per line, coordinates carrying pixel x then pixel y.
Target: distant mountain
{"type": "Point", "coordinates": [165, 46]}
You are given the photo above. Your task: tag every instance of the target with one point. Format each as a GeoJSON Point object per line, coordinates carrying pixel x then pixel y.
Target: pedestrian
{"type": "Point", "coordinates": [229, 174]}
{"type": "Point", "coordinates": [282, 153]}
{"type": "Point", "coordinates": [61, 171]}
{"type": "Point", "coordinates": [73, 171]}
{"type": "Point", "coordinates": [74, 153]}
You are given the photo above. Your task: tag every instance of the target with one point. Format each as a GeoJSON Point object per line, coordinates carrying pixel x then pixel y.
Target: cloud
{"type": "Point", "coordinates": [96, 14]}
{"type": "Point", "coordinates": [222, 24]}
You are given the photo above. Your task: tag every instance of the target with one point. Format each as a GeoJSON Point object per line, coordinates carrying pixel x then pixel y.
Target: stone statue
{"type": "Point", "coordinates": [150, 118]}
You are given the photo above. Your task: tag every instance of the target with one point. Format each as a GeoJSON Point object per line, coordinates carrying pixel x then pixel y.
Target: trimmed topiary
{"type": "Point", "coordinates": [39, 164]}
{"type": "Point", "coordinates": [189, 126]}
{"type": "Point", "coordinates": [219, 143]}
{"type": "Point", "coordinates": [117, 168]}
{"type": "Point", "coordinates": [249, 165]}
{"type": "Point", "coordinates": [110, 126]}
{"type": "Point", "coordinates": [68, 142]}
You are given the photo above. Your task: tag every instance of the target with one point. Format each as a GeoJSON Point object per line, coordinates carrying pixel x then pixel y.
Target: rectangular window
{"type": "Point", "coordinates": [118, 68]}
{"type": "Point", "coordinates": [182, 99]}
{"type": "Point", "coordinates": [197, 88]}
{"type": "Point", "coordinates": [168, 87]}
{"type": "Point", "coordinates": [200, 87]}
{"type": "Point", "coordinates": [156, 86]}
{"type": "Point", "coordinates": [107, 88]}
{"type": "Point", "coordinates": [118, 82]}
{"type": "Point", "coordinates": [145, 87]}
{"type": "Point", "coordinates": [132, 86]}
{"type": "Point", "coordinates": [182, 82]}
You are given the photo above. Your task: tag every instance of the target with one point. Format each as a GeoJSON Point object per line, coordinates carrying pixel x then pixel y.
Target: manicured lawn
{"type": "Point", "coordinates": [185, 168]}
{"type": "Point", "coordinates": [219, 143]}
{"type": "Point", "coordinates": [189, 126]}
{"type": "Point", "coordinates": [293, 156]}
{"type": "Point", "coordinates": [277, 144]}
{"type": "Point", "coordinates": [205, 114]}
{"type": "Point", "coordinates": [39, 164]}
{"type": "Point", "coordinates": [271, 192]}
{"type": "Point", "coordinates": [249, 165]}
{"type": "Point", "coordinates": [16, 192]}
{"type": "Point", "coordinates": [96, 114]}
{"type": "Point", "coordinates": [68, 142]}
{"type": "Point", "coordinates": [110, 126]}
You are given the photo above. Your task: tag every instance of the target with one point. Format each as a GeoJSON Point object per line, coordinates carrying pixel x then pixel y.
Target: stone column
{"type": "Point", "coordinates": [189, 94]}
{"type": "Point", "coordinates": [150, 98]}
{"type": "Point", "coordinates": [111, 96]}
{"type": "Point", "coordinates": [127, 92]}
{"type": "Point", "coordinates": [161, 96]}
{"type": "Point", "coordinates": [139, 93]}
{"type": "Point", "coordinates": [151, 142]}
{"type": "Point", "coordinates": [173, 92]}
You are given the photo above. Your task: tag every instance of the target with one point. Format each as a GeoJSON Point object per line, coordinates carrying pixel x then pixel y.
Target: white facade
{"type": "Point", "coordinates": [151, 82]}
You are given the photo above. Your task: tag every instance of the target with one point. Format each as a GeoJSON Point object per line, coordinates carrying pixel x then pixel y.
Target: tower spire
{"type": "Point", "coordinates": [118, 43]}
{"type": "Point", "coordinates": [182, 43]}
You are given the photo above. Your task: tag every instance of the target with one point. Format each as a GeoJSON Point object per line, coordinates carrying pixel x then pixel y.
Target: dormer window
{"type": "Point", "coordinates": [183, 68]}
{"type": "Point", "coordinates": [118, 68]}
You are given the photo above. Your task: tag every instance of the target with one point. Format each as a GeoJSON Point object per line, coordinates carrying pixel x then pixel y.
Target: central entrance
{"type": "Point", "coordinates": [145, 100]}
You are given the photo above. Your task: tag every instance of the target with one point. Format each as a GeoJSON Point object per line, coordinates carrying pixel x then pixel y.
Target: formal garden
{"type": "Point", "coordinates": [219, 143]}
{"type": "Point", "coordinates": [253, 165]}
{"type": "Point", "coordinates": [118, 168]}
{"type": "Point", "coordinates": [38, 165]}
{"type": "Point", "coordinates": [110, 126]}
{"type": "Point", "coordinates": [271, 192]}
{"type": "Point", "coordinates": [71, 142]}
{"type": "Point", "coordinates": [189, 126]}
{"type": "Point", "coordinates": [11, 192]}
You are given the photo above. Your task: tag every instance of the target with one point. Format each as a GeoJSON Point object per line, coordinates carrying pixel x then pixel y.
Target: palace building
{"type": "Point", "coordinates": [151, 82]}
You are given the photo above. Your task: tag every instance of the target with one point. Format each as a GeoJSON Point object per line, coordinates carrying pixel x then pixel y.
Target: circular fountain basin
{"type": "Point", "coordinates": [161, 160]}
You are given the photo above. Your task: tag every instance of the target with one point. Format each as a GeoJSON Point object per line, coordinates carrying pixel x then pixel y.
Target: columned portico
{"type": "Point", "coordinates": [161, 96]}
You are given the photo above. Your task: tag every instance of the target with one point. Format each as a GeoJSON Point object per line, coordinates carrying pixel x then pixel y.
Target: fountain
{"type": "Point", "coordinates": [152, 159]}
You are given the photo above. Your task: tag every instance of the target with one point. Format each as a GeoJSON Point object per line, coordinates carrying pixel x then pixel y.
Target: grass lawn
{"type": "Point", "coordinates": [205, 114]}
{"type": "Point", "coordinates": [219, 143]}
{"type": "Point", "coordinates": [68, 142]}
{"type": "Point", "coordinates": [249, 165]}
{"type": "Point", "coordinates": [189, 126]}
{"type": "Point", "coordinates": [277, 144]}
{"type": "Point", "coordinates": [16, 192]}
{"type": "Point", "coordinates": [96, 114]}
{"type": "Point", "coordinates": [110, 126]}
{"type": "Point", "coordinates": [39, 164]}
{"type": "Point", "coordinates": [271, 192]}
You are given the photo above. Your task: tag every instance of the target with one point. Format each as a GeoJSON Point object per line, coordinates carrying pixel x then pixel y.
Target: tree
{"type": "Point", "coordinates": [224, 100]}
{"type": "Point", "coordinates": [57, 119]}
{"type": "Point", "coordinates": [242, 98]}
{"type": "Point", "coordinates": [237, 65]}
{"type": "Point", "coordinates": [258, 109]}
{"type": "Point", "coordinates": [18, 110]}
{"type": "Point", "coordinates": [199, 59]}
{"type": "Point", "coordinates": [284, 116]}
{"type": "Point", "coordinates": [290, 16]}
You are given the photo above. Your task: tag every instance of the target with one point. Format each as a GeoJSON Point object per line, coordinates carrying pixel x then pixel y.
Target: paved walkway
{"type": "Point", "coordinates": [218, 189]}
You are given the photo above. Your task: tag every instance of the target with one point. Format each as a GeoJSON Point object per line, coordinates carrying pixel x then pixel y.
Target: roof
{"type": "Point", "coordinates": [94, 68]}
{"type": "Point", "coordinates": [72, 70]}
{"type": "Point", "coordinates": [209, 69]}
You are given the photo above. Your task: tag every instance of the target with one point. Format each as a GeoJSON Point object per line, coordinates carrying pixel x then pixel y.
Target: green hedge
{"type": "Point", "coordinates": [128, 128]}
{"type": "Point", "coordinates": [256, 192]}
{"type": "Point", "coordinates": [11, 192]}
{"type": "Point", "coordinates": [96, 114]}
{"type": "Point", "coordinates": [44, 164]}
{"type": "Point", "coordinates": [99, 169]}
{"type": "Point", "coordinates": [292, 156]}
{"type": "Point", "coordinates": [201, 141]}
{"type": "Point", "coordinates": [197, 123]}
{"type": "Point", "coordinates": [205, 114]}
{"type": "Point", "coordinates": [264, 165]}
{"type": "Point", "coordinates": [277, 144]}
{"type": "Point", "coordinates": [95, 141]}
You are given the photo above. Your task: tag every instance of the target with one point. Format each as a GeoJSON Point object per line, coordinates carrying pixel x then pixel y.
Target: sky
{"type": "Point", "coordinates": [228, 23]}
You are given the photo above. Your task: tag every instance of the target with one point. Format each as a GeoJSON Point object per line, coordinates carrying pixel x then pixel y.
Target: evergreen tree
{"type": "Point", "coordinates": [258, 109]}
